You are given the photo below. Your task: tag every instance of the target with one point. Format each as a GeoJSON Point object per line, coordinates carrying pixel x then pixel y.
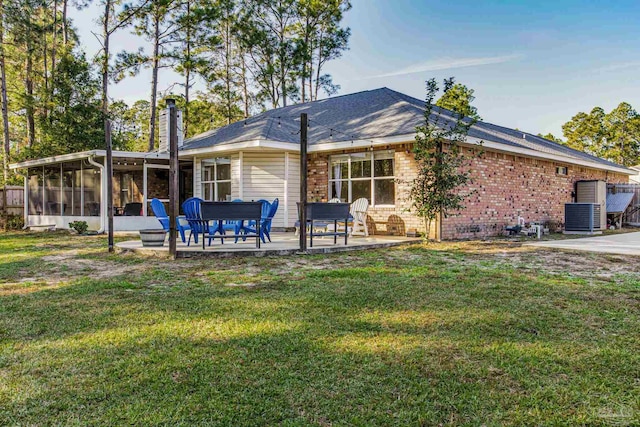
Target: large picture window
{"type": "Point", "coordinates": [369, 175]}
{"type": "Point", "coordinates": [216, 179]}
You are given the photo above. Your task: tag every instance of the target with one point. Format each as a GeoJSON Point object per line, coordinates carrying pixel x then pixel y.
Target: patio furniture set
{"type": "Point", "coordinates": [221, 220]}
{"type": "Point", "coordinates": [241, 220]}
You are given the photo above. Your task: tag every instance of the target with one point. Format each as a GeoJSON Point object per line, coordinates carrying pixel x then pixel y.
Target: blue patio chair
{"type": "Point", "coordinates": [191, 208]}
{"type": "Point", "coordinates": [268, 212]}
{"type": "Point", "coordinates": [159, 211]}
{"type": "Point", "coordinates": [235, 226]}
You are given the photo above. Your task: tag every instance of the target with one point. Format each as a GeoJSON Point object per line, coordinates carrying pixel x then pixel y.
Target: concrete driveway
{"type": "Point", "coordinates": [622, 244]}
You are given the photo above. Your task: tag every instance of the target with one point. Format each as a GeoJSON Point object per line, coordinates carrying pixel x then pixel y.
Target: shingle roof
{"type": "Point", "coordinates": [366, 115]}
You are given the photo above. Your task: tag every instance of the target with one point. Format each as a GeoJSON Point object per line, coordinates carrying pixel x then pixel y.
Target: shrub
{"type": "Point", "coordinates": [80, 227]}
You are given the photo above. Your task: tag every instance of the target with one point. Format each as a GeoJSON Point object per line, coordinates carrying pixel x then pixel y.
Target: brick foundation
{"type": "Point", "coordinates": [504, 186]}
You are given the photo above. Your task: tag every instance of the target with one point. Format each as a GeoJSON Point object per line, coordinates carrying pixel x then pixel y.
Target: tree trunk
{"type": "Point", "coordinates": [5, 121]}
{"type": "Point", "coordinates": [187, 72]}
{"type": "Point", "coordinates": [29, 109]}
{"type": "Point", "coordinates": [54, 41]}
{"type": "Point", "coordinates": [187, 82]}
{"type": "Point", "coordinates": [227, 67]}
{"type": "Point", "coordinates": [245, 85]}
{"type": "Point", "coordinates": [318, 68]}
{"type": "Point", "coordinates": [154, 82]}
{"type": "Point", "coordinates": [107, 122]}
{"type": "Point", "coordinates": [45, 104]}
{"type": "Point", "coordinates": [311, 72]}
{"type": "Point", "coordinates": [65, 29]}
{"type": "Point", "coordinates": [439, 151]}
{"type": "Point", "coordinates": [283, 81]}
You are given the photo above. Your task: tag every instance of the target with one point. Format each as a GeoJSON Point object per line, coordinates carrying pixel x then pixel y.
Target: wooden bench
{"type": "Point", "coordinates": [328, 213]}
{"type": "Point", "coordinates": [230, 211]}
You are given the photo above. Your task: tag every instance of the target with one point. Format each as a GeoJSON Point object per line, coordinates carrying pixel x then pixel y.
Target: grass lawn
{"type": "Point", "coordinates": [451, 334]}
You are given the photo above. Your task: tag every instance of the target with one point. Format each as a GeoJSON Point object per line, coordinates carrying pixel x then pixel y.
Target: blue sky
{"type": "Point", "coordinates": [532, 64]}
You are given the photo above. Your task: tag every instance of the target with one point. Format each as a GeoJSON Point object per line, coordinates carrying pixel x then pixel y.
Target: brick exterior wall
{"type": "Point", "coordinates": [504, 186]}
{"type": "Point", "coordinates": [157, 185]}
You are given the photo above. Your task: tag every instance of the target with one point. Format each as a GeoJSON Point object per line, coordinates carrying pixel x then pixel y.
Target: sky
{"type": "Point", "coordinates": [532, 63]}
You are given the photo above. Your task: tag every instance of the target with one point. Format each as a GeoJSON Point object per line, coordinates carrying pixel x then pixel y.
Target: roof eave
{"type": "Point", "coordinates": [240, 146]}
{"type": "Point", "coordinates": [85, 154]}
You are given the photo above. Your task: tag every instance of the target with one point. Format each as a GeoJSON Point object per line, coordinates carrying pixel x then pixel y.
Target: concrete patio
{"type": "Point", "coordinates": [283, 243]}
{"type": "Point", "coordinates": [621, 244]}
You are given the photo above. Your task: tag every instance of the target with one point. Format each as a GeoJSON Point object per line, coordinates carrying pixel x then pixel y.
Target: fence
{"type": "Point", "coordinates": [632, 215]}
{"type": "Point", "coordinates": [15, 199]}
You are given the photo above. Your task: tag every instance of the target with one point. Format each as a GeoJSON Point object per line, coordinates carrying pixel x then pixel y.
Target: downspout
{"type": "Point", "coordinates": [102, 192]}
{"type": "Point", "coordinates": [25, 200]}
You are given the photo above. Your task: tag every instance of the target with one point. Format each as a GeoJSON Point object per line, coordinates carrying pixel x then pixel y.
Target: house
{"type": "Point", "coordinates": [635, 179]}
{"type": "Point", "coordinates": [360, 145]}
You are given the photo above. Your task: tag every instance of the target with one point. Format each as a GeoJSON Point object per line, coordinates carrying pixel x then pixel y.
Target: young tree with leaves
{"type": "Point", "coordinates": [459, 99]}
{"type": "Point", "coordinates": [437, 190]}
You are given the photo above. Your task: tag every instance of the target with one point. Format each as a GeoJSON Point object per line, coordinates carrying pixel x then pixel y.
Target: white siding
{"type": "Point", "coordinates": [236, 163]}
{"type": "Point", "coordinates": [293, 186]}
{"type": "Point", "coordinates": [263, 178]}
{"type": "Point", "coordinates": [257, 176]}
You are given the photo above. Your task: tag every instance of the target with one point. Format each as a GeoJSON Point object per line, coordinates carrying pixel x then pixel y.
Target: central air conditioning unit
{"type": "Point", "coordinates": [582, 217]}
{"type": "Point", "coordinates": [593, 192]}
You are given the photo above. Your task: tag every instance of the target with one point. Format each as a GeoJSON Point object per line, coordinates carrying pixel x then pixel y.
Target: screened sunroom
{"type": "Point", "coordinates": [73, 187]}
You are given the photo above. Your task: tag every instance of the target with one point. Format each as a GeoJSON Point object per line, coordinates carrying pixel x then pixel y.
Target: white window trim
{"type": "Point", "coordinates": [215, 181]}
{"type": "Point", "coordinates": [373, 178]}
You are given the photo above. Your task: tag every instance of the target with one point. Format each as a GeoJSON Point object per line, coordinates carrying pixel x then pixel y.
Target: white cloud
{"type": "Point", "coordinates": [449, 63]}
{"type": "Point", "coordinates": [619, 66]}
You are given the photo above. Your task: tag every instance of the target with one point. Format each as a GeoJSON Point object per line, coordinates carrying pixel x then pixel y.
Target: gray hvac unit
{"type": "Point", "coordinates": [593, 192]}
{"type": "Point", "coordinates": [584, 217]}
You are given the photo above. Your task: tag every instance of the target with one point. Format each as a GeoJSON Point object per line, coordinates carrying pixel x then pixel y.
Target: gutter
{"type": "Point", "coordinates": [102, 191]}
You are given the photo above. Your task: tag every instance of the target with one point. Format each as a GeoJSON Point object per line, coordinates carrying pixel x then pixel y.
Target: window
{"type": "Point", "coordinates": [216, 179]}
{"type": "Point", "coordinates": [369, 175]}
{"type": "Point", "coordinates": [562, 170]}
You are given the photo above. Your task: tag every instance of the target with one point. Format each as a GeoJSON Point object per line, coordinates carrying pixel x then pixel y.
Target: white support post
{"type": "Point", "coordinates": [144, 188]}
{"type": "Point", "coordinates": [43, 192]}
{"type": "Point", "coordinates": [104, 189]}
{"type": "Point", "coordinates": [285, 199]}
{"type": "Point", "coordinates": [81, 188]}
{"type": "Point", "coordinates": [25, 201]}
{"type": "Point", "coordinates": [61, 204]}
{"type": "Point", "coordinates": [241, 177]}
{"type": "Point", "coordinates": [195, 177]}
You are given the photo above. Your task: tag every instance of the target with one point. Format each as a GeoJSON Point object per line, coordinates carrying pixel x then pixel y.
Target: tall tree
{"type": "Point", "coordinates": [111, 22]}
{"type": "Point", "coordinates": [153, 22]}
{"type": "Point", "coordinates": [551, 137]}
{"type": "Point", "coordinates": [5, 119]}
{"type": "Point", "coordinates": [613, 136]}
{"type": "Point", "coordinates": [459, 99]}
{"type": "Point", "coordinates": [327, 42]}
{"type": "Point", "coordinates": [437, 191]}
{"type": "Point", "coordinates": [268, 36]}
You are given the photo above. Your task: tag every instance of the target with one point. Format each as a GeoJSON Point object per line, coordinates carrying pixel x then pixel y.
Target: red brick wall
{"type": "Point", "coordinates": [505, 186]}
{"type": "Point", "coordinates": [508, 186]}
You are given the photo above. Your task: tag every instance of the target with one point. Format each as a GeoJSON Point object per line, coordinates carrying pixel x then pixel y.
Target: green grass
{"type": "Point", "coordinates": [452, 334]}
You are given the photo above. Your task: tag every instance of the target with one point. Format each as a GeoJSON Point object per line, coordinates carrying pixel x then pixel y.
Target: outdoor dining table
{"type": "Point", "coordinates": [230, 211]}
